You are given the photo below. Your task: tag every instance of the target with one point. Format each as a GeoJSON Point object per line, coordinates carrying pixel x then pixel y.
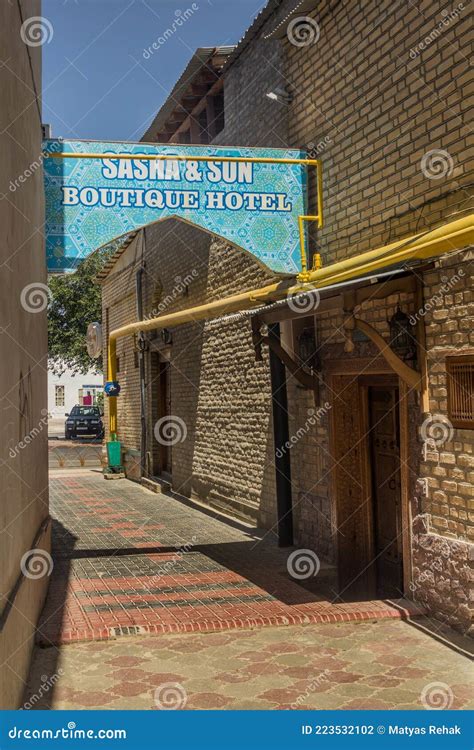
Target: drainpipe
{"type": "Point", "coordinates": [141, 371]}
{"type": "Point", "coordinates": [281, 441]}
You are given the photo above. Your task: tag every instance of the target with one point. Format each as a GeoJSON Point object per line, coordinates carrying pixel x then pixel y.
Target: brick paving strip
{"type": "Point", "coordinates": [128, 561]}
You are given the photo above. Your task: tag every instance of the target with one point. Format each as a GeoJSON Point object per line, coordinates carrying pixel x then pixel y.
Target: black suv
{"type": "Point", "coordinates": [84, 420]}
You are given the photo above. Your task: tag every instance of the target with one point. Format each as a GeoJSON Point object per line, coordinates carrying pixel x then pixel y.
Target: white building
{"type": "Point", "coordinates": [69, 389]}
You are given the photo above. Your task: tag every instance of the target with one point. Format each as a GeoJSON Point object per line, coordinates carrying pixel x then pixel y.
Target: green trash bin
{"type": "Point", "coordinates": [114, 453]}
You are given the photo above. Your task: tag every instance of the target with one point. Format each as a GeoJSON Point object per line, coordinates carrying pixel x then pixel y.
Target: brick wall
{"type": "Point", "coordinates": [381, 88]}
{"type": "Point", "coordinates": [373, 105]}
{"type": "Point", "coordinates": [218, 389]}
{"type": "Point", "coordinates": [359, 90]}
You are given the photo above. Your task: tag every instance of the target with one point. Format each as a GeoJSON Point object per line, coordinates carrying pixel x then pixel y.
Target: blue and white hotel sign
{"type": "Point", "coordinates": [97, 197]}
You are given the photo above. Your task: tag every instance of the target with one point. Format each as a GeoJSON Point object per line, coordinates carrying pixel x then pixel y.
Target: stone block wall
{"type": "Point", "coordinates": [218, 390]}
{"type": "Point", "coordinates": [444, 543]}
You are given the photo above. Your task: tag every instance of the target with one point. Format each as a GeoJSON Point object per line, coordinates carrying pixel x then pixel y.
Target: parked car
{"type": "Point", "coordinates": [84, 420]}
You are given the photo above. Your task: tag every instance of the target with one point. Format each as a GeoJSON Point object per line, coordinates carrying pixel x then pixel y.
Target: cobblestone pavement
{"type": "Point", "coordinates": [384, 665]}
{"type": "Point", "coordinates": [127, 560]}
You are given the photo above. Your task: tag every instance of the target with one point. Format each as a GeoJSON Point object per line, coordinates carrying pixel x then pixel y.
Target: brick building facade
{"type": "Point", "coordinates": [379, 95]}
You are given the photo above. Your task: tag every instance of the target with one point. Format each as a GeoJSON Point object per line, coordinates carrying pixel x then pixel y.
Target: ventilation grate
{"type": "Point", "coordinates": [460, 383]}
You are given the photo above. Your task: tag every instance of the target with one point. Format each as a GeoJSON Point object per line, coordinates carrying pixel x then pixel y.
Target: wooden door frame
{"type": "Point", "coordinates": [374, 372]}
{"type": "Point", "coordinates": [162, 361]}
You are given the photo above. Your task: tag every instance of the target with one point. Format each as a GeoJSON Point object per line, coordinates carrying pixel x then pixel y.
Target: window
{"type": "Point", "coordinates": [59, 395]}
{"type": "Point", "coordinates": [460, 385]}
{"type": "Point", "coordinates": [85, 411]}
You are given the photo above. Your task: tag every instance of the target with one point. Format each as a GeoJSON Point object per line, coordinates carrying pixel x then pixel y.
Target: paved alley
{"type": "Point", "coordinates": [382, 665]}
{"type": "Point", "coordinates": [127, 561]}
{"type": "Point", "coordinates": [140, 581]}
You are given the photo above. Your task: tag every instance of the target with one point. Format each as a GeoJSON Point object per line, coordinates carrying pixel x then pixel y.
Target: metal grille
{"type": "Point", "coordinates": [460, 380]}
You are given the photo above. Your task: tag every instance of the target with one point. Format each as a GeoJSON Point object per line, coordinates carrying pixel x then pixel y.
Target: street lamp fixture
{"type": "Point", "coordinates": [402, 338]}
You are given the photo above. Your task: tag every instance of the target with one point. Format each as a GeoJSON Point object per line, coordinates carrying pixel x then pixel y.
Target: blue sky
{"type": "Point", "coordinates": [97, 82]}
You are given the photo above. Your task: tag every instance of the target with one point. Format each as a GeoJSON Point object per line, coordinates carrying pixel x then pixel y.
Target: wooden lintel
{"type": "Point", "coordinates": [357, 365]}
{"type": "Point", "coordinates": [409, 376]}
{"type": "Point", "coordinates": [405, 284]}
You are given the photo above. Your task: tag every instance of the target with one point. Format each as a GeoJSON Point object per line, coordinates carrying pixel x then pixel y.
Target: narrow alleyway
{"type": "Point", "coordinates": [140, 579]}
{"type": "Point", "coordinates": [127, 560]}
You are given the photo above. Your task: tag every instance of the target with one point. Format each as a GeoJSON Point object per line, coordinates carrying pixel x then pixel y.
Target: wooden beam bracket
{"type": "Point", "coordinates": [304, 378]}
{"type": "Point", "coordinates": [413, 378]}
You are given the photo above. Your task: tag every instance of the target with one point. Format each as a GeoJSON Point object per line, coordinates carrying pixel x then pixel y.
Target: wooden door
{"type": "Point", "coordinates": [384, 441]}
{"type": "Point", "coordinates": [353, 511]}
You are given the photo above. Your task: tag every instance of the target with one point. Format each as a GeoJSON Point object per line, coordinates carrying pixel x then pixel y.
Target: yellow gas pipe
{"type": "Point", "coordinates": [453, 236]}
